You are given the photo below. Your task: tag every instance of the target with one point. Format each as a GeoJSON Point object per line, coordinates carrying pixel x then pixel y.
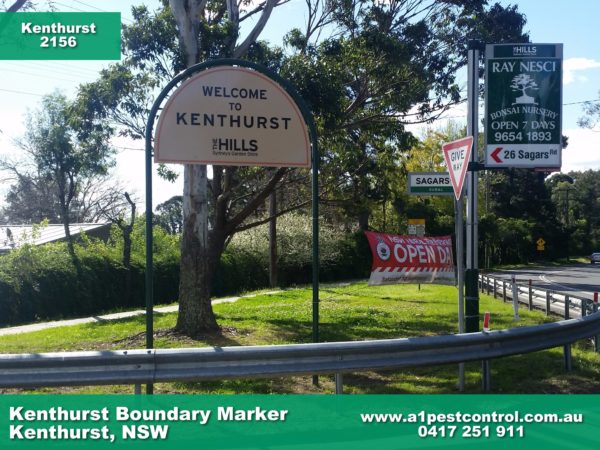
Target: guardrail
{"type": "Point", "coordinates": [565, 305]}
{"type": "Point", "coordinates": [153, 366]}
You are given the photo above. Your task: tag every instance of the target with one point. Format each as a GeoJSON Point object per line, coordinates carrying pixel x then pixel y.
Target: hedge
{"type": "Point", "coordinates": [41, 283]}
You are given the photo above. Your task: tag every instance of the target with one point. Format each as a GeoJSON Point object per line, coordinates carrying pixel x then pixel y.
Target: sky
{"type": "Point", "coordinates": [574, 23]}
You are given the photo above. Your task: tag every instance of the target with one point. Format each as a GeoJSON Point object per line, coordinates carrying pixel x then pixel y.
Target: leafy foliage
{"type": "Point", "coordinates": [576, 196]}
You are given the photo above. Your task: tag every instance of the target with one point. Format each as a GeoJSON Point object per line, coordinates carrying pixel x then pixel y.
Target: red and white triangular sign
{"type": "Point", "coordinates": [457, 155]}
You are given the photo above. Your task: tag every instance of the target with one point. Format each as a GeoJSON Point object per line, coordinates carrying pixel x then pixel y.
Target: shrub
{"type": "Point", "coordinates": [41, 282]}
{"type": "Point", "coordinates": [342, 256]}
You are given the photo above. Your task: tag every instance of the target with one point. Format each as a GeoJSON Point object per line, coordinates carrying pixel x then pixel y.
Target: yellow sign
{"type": "Point", "coordinates": [541, 243]}
{"type": "Point", "coordinates": [416, 227]}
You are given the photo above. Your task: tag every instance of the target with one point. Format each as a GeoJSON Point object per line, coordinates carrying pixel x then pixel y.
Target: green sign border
{"type": "Point", "coordinates": [525, 51]}
{"type": "Point", "coordinates": [429, 190]}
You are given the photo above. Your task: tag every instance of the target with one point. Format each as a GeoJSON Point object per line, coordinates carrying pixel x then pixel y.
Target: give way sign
{"type": "Point", "coordinates": [457, 155]}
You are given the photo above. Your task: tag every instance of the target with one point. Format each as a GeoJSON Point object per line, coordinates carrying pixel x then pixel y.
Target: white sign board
{"type": "Point", "coordinates": [429, 183]}
{"type": "Point", "coordinates": [457, 155]}
{"type": "Point", "coordinates": [232, 116]}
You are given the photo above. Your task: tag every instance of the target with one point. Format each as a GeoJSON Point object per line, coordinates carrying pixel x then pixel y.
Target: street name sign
{"type": "Point", "coordinates": [457, 155]}
{"type": "Point", "coordinates": [429, 183]}
{"type": "Point", "coordinates": [523, 105]}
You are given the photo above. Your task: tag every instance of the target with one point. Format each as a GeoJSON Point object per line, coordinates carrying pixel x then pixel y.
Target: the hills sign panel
{"type": "Point", "coordinates": [230, 115]}
{"type": "Point", "coordinates": [523, 105]}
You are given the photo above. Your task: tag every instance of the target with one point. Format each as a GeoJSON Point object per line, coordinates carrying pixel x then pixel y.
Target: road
{"type": "Point", "coordinates": [580, 280]}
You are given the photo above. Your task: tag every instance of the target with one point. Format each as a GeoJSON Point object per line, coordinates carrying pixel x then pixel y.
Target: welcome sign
{"type": "Point", "coordinates": [230, 115]}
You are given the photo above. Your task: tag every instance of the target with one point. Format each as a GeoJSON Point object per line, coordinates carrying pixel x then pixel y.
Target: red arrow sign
{"type": "Point", "coordinates": [495, 154]}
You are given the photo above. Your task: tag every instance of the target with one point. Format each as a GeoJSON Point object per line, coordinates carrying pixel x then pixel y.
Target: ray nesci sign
{"type": "Point", "coordinates": [230, 115]}
{"type": "Point", "coordinates": [410, 259]}
{"type": "Point", "coordinates": [523, 105]}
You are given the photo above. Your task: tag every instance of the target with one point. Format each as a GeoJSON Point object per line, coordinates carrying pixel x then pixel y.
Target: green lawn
{"type": "Point", "coordinates": [354, 312]}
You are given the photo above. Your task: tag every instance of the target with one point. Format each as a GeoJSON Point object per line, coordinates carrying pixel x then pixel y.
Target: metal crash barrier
{"type": "Point", "coordinates": [162, 365]}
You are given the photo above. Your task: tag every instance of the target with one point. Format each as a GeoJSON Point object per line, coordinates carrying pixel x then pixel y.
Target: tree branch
{"type": "Point", "coordinates": [16, 6]}
{"type": "Point", "coordinates": [256, 201]}
{"type": "Point", "coordinates": [268, 219]}
{"type": "Point", "coordinates": [242, 49]}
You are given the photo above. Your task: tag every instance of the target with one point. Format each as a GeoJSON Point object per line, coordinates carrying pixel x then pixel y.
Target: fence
{"type": "Point", "coordinates": [565, 305]}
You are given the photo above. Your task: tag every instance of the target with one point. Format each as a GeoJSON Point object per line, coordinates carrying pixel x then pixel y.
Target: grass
{"type": "Point", "coordinates": [354, 312]}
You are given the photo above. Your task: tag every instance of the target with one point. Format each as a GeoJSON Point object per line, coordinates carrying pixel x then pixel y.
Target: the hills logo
{"type": "Point", "coordinates": [525, 50]}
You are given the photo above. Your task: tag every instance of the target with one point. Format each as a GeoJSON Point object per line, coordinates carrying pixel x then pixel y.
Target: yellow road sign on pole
{"type": "Point", "coordinates": [541, 244]}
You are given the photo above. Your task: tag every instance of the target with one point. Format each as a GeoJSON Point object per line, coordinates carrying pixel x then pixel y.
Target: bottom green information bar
{"type": "Point", "coordinates": [300, 421]}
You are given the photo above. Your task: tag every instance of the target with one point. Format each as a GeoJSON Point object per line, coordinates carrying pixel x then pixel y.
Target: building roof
{"type": "Point", "coordinates": [13, 236]}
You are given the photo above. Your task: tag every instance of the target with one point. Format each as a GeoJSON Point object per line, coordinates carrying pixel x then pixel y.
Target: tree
{"type": "Point", "coordinates": [523, 83]}
{"type": "Point", "coordinates": [64, 153]}
{"type": "Point", "coordinates": [519, 197]}
{"type": "Point", "coordinates": [30, 199]}
{"type": "Point", "coordinates": [577, 196]}
{"type": "Point", "coordinates": [169, 215]}
{"type": "Point", "coordinates": [382, 65]}
{"type": "Point", "coordinates": [591, 110]}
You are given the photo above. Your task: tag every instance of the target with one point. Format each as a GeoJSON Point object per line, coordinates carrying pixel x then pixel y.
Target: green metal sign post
{"type": "Point", "coordinates": [309, 122]}
{"type": "Point", "coordinates": [523, 99]}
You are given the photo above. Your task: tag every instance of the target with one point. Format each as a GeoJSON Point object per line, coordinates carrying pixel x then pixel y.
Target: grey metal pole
{"type": "Point", "coordinates": [515, 297]}
{"type": "Point", "coordinates": [472, 272]}
{"type": "Point", "coordinates": [460, 264]}
{"type": "Point", "coordinates": [594, 311]}
{"type": "Point", "coordinates": [339, 383]}
{"type": "Point", "coordinates": [486, 376]}
{"type": "Point", "coordinates": [568, 358]}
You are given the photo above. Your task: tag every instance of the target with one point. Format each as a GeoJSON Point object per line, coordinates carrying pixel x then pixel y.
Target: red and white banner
{"type": "Point", "coordinates": [410, 259]}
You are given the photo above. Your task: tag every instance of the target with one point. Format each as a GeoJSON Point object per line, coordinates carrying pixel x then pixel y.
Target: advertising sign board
{"type": "Point", "coordinates": [523, 105]}
{"type": "Point", "coordinates": [409, 259]}
{"type": "Point", "coordinates": [231, 115]}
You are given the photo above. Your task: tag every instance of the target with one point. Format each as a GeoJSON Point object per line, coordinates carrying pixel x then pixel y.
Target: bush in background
{"type": "Point", "coordinates": [41, 283]}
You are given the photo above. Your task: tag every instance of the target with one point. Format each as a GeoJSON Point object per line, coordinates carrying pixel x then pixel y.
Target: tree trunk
{"type": "Point", "coordinates": [363, 220]}
{"type": "Point", "coordinates": [201, 251]}
{"type": "Point", "coordinates": [66, 221]}
{"type": "Point", "coordinates": [273, 240]}
{"type": "Point", "coordinates": [198, 260]}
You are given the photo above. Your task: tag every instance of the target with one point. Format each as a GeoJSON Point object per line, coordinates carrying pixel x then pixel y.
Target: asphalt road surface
{"type": "Point", "coordinates": [580, 280]}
